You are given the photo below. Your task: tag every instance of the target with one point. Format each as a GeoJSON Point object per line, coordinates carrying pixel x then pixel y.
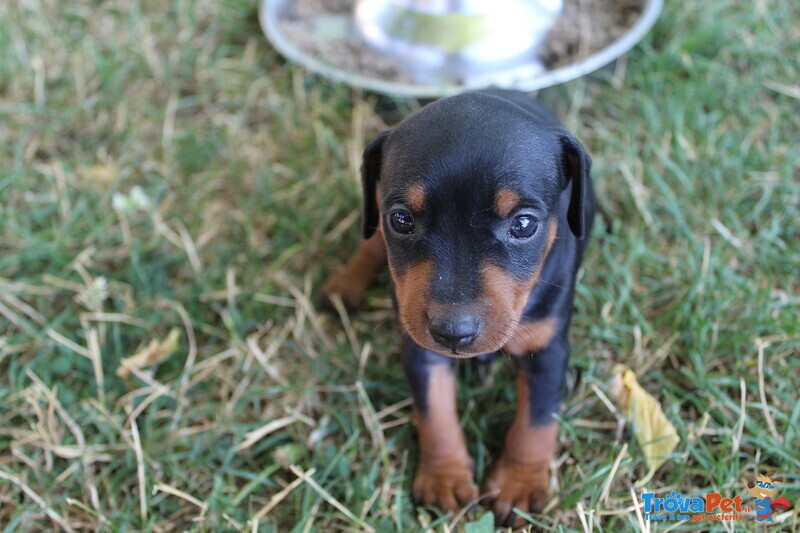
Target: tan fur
{"type": "Point", "coordinates": [531, 336]}
{"type": "Point", "coordinates": [503, 296]}
{"type": "Point", "coordinates": [505, 202]}
{"type": "Point", "coordinates": [508, 298]}
{"type": "Point", "coordinates": [520, 477]}
{"type": "Point", "coordinates": [359, 272]}
{"type": "Point", "coordinates": [444, 476]}
{"type": "Point", "coordinates": [411, 290]}
{"type": "Point", "coordinates": [415, 196]}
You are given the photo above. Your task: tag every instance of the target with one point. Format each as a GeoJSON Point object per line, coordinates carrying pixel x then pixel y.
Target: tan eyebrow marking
{"type": "Point", "coordinates": [505, 202]}
{"type": "Point", "coordinates": [416, 197]}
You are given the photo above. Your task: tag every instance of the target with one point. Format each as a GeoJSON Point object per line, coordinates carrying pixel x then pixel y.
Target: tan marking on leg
{"type": "Point", "coordinates": [505, 201]}
{"type": "Point", "coordinates": [415, 195]}
{"type": "Point", "coordinates": [440, 435]}
{"type": "Point", "coordinates": [444, 477]}
{"type": "Point", "coordinates": [526, 442]}
{"type": "Point", "coordinates": [359, 272]}
{"type": "Point", "coordinates": [520, 477]}
{"type": "Point", "coordinates": [531, 336]}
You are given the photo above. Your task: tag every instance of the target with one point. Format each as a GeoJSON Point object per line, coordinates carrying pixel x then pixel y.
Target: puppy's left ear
{"type": "Point", "coordinates": [577, 166]}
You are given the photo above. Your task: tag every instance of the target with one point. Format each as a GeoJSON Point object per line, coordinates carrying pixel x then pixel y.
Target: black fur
{"type": "Point", "coordinates": [461, 151]}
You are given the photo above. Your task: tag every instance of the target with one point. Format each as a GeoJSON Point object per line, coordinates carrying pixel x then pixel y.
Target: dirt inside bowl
{"type": "Point", "coordinates": [584, 27]}
{"type": "Point", "coordinates": [587, 26]}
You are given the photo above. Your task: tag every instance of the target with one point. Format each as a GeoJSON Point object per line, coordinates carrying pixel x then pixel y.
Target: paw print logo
{"type": "Point", "coordinates": [764, 490]}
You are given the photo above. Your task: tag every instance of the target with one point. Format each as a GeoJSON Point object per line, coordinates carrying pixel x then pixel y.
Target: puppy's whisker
{"type": "Point", "coordinates": [379, 325]}
{"type": "Point", "coordinates": [551, 284]}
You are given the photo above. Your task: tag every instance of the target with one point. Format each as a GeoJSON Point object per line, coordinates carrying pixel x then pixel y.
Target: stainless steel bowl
{"type": "Point", "coordinates": [440, 68]}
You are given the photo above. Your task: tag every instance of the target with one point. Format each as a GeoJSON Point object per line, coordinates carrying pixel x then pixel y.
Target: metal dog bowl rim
{"type": "Point", "coordinates": [270, 25]}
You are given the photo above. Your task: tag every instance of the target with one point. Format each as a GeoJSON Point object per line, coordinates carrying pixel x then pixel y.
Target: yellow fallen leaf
{"type": "Point", "coordinates": [152, 354]}
{"type": "Point", "coordinates": [653, 430]}
{"type": "Point", "coordinates": [99, 176]}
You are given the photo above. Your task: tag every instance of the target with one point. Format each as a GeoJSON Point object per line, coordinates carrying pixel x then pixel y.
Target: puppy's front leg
{"type": "Point", "coordinates": [521, 476]}
{"type": "Point", "coordinates": [445, 473]}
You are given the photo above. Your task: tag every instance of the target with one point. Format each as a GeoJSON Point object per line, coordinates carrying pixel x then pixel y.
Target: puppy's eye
{"type": "Point", "coordinates": [402, 222]}
{"type": "Point", "coordinates": [523, 226]}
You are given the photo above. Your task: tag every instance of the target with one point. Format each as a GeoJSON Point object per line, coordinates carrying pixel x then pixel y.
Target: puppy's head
{"type": "Point", "coordinates": [469, 191]}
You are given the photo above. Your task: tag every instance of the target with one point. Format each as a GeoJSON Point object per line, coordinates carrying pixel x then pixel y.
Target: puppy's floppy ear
{"type": "Point", "coordinates": [370, 174]}
{"type": "Point", "coordinates": [576, 165]}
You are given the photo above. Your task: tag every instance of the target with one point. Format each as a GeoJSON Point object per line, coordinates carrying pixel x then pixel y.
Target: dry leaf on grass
{"type": "Point", "coordinates": [654, 432]}
{"type": "Point", "coordinates": [152, 354]}
{"type": "Point", "coordinates": [99, 176]}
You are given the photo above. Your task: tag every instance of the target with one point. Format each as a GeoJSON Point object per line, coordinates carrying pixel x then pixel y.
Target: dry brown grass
{"type": "Point", "coordinates": [271, 415]}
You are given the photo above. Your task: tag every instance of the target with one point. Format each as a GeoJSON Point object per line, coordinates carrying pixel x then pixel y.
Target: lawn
{"type": "Point", "coordinates": [162, 168]}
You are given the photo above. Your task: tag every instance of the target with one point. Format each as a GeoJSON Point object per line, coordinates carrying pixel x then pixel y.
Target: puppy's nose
{"type": "Point", "coordinates": [455, 332]}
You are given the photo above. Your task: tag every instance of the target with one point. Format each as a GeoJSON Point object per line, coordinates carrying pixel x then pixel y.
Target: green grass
{"type": "Point", "coordinates": [250, 165]}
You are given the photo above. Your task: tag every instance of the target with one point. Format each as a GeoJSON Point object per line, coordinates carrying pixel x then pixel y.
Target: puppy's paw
{"type": "Point", "coordinates": [349, 285]}
{"type": "Point", "coordinates": [447, 485]}
{"type": "Point", "coordinates": [514, 484]}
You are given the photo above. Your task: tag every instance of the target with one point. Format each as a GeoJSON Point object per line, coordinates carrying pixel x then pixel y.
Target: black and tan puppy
{"type": "Point", "coordinates": [483, 205]}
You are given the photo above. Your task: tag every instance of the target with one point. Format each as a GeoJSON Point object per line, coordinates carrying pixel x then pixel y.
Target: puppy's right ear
{"type": "Point", "coordinates": [370, 174]}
